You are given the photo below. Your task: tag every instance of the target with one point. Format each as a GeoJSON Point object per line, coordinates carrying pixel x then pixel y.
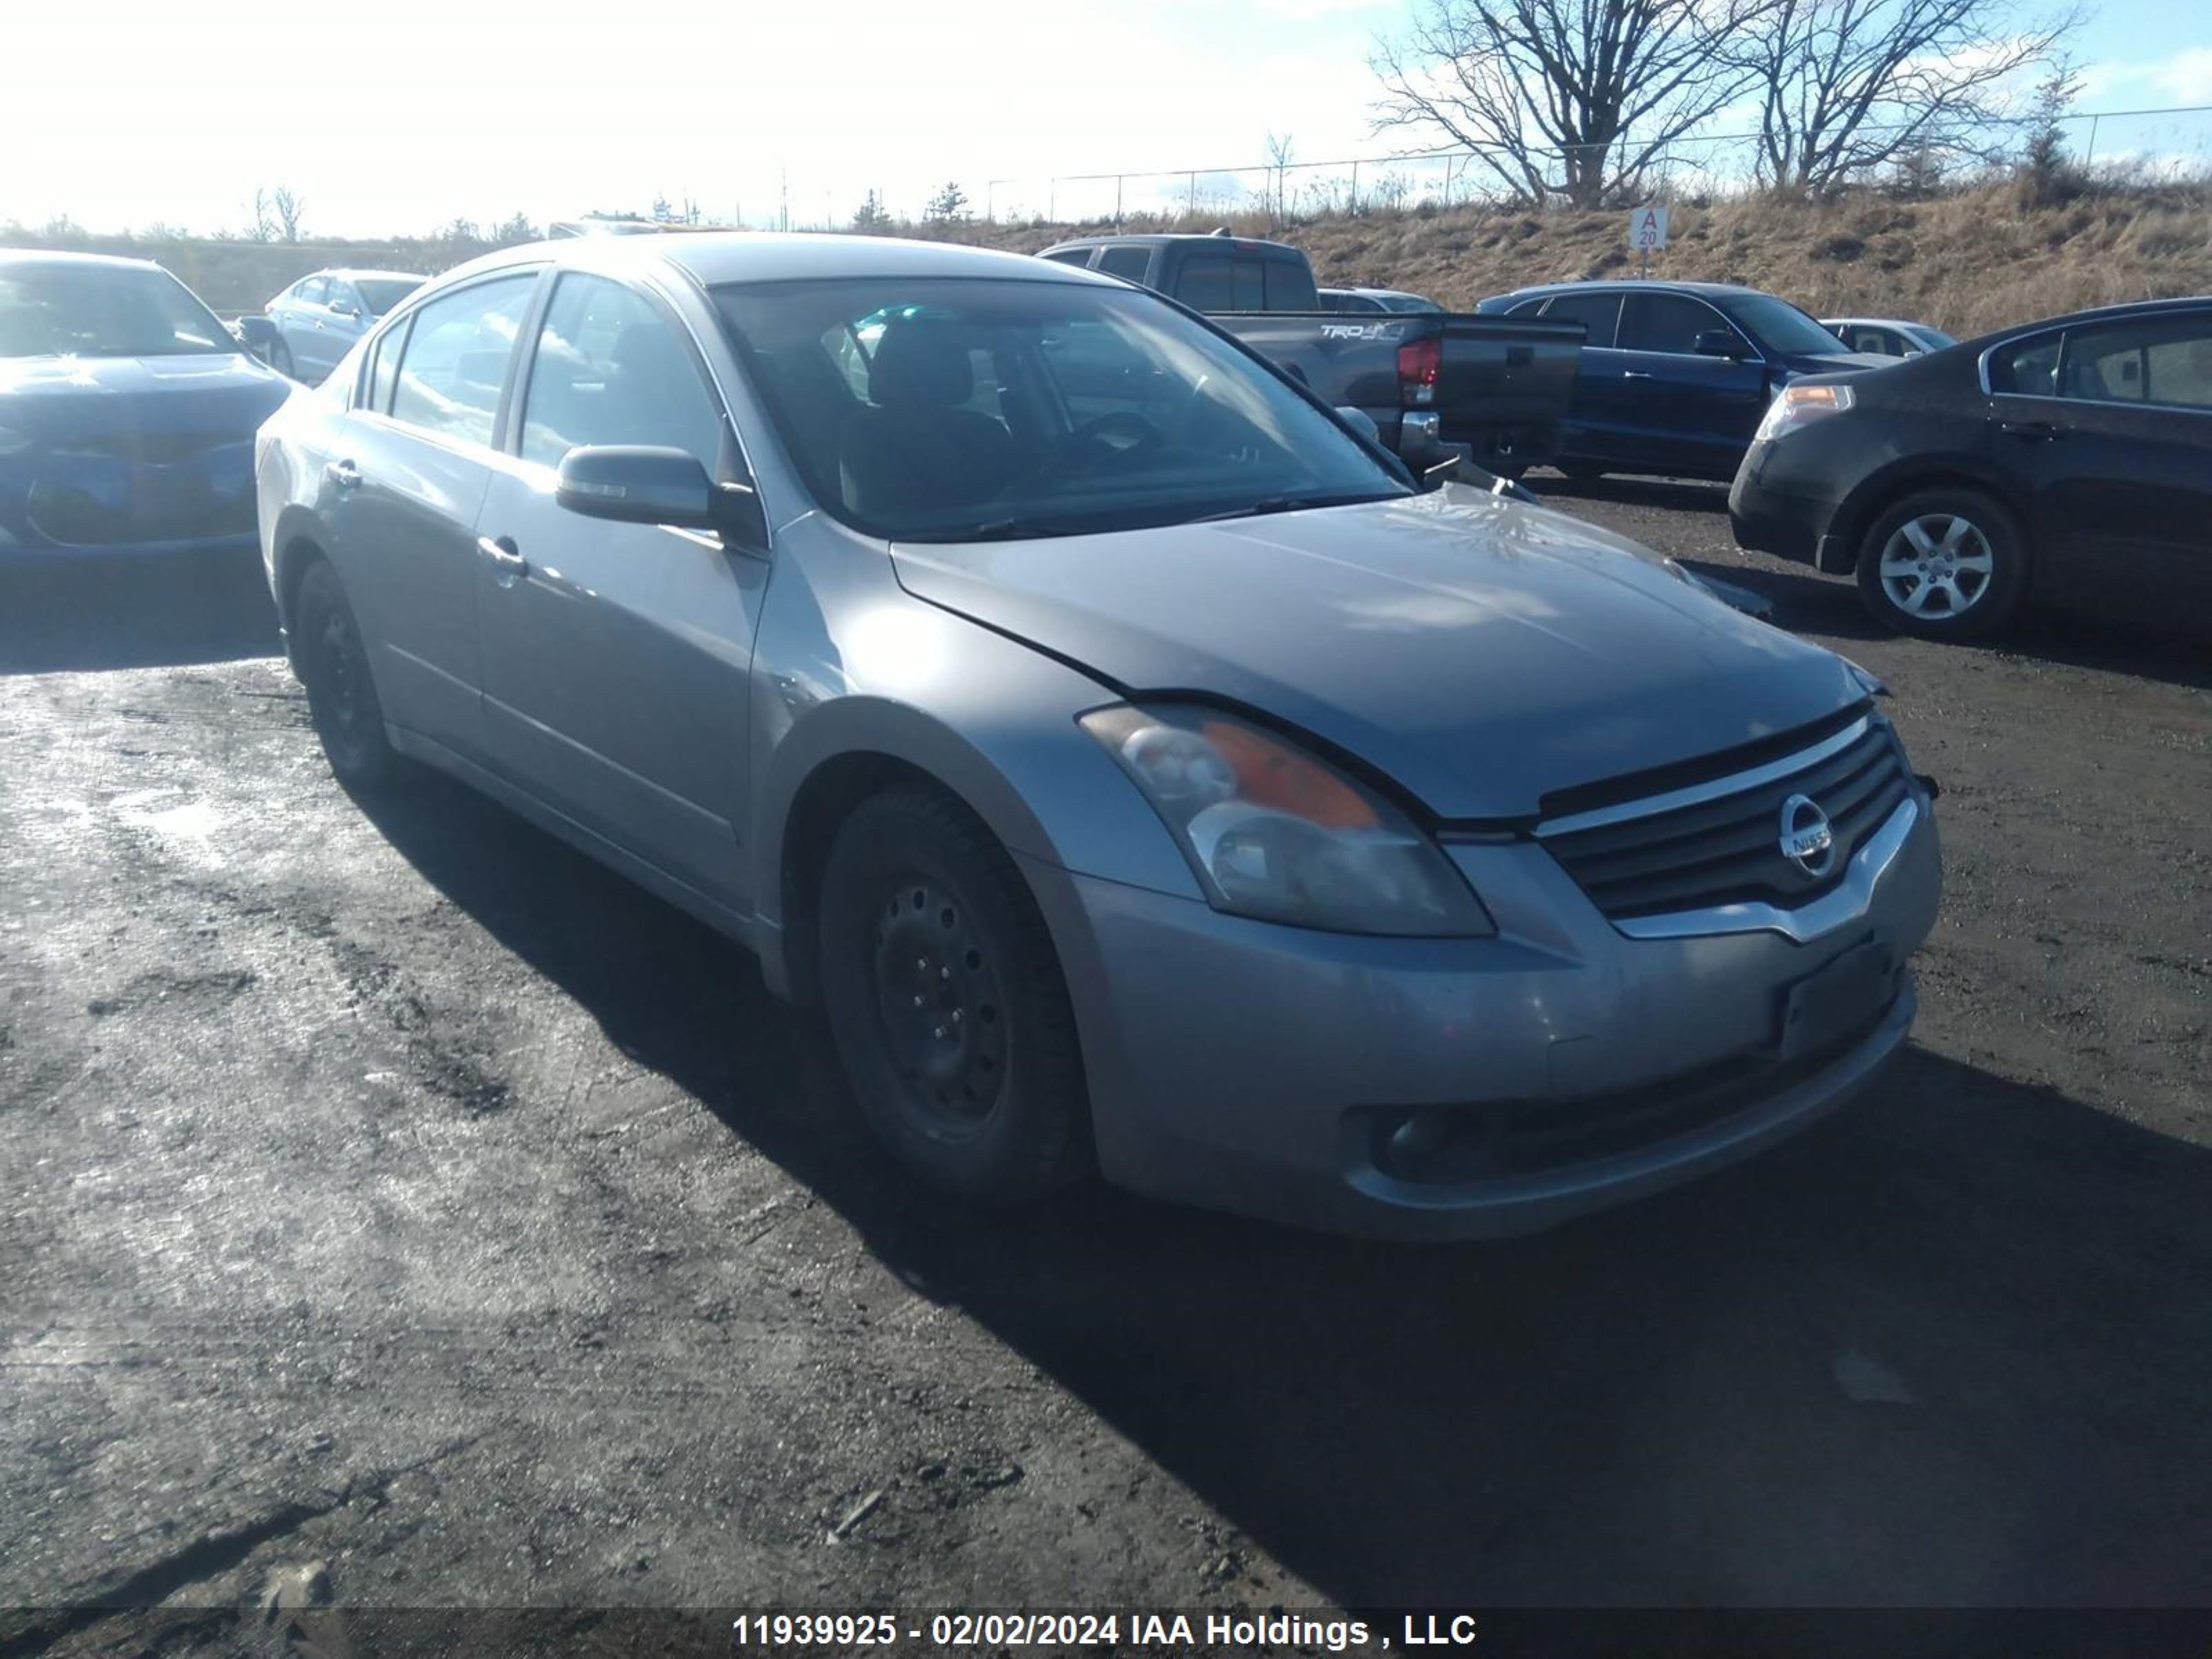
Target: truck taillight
{"type": "Point", "coordinates": [1418, 361]}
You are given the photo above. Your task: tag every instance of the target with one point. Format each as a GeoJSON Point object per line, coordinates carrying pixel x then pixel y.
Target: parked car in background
{"type": "Point", "coordinates": [811, 582]}
{"type": "Point", "coordinates": [2069, 460]}
{"type": "Point", "coordinates": [1884, 336]}
{"type": "Point", "coordinates": [1674, 377]}
{"type": "Point", "coordinates": [1429, 381]}
{"type": "Point", "coordinates": [1367, 301]}
{"type": "Point", "coordinates": [127, 413]}
{"type": "Point", "coordinates": [321, 318]}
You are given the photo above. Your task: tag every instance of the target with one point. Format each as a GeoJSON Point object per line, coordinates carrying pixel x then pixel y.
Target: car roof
{"type": "Point", "coordinates": [1643, 285]}
{"type": "Point", "coordinates": [711, 258]}
{"type": "Point", "coordinates": [1163, 239]}
{"type": "Point", "coordinates": [353, 273]}
{"type": "Point", "coordinates": [39, 256]}
{"type": "Point", "coordinates": [2106, 314]}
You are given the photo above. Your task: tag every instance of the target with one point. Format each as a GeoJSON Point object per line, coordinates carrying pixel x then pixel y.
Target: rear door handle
{"type": "Point", "coordinates": [1634, 374]}
{"type": "Point", "coordinates": [506, 561]}
{"type": "Point", "coordinates": [345, 474]}
{"type": "Point", "coordinates": [2043, 431]}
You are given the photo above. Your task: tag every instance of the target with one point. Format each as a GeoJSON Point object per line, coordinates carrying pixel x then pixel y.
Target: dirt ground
{"type": "Point", "coordinates": [393, 1199]}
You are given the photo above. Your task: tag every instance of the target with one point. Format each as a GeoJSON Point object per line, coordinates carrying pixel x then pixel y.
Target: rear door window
{"type": "Point", "coordinates": [2165, 360]}
{"type": "Point", "coordinates": [454, 363]}
{"type": "Point", "coordinates": [1600, 314]}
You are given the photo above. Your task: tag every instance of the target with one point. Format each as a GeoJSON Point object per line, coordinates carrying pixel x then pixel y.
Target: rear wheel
{"type": "Point", "coordinates": [1943, 564]}
{"type": "Point", "coordinates": [946, 996]}
{"type": "Point", "coordinates": [341, 696]}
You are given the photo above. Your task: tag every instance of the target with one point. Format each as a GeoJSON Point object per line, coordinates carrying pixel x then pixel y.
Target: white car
{"type": "Point", "coordinates": [1884, 336]}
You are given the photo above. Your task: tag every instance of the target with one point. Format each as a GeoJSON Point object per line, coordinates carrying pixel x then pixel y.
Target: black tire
{"type": "Point", "coordinates": [1945, 564]}
{"type": "Point", "coordinates": [280, 358]}
{"type": "Point", "coordinates": [1581, 471]}
{"type": "Point", "coordinates": [333, 663]}
{"type": "Point", "coordinates": [941, 985]}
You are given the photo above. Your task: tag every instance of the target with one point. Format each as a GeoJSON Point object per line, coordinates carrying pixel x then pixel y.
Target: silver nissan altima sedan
{"type": "Point", "coordinates": [1145, 774]}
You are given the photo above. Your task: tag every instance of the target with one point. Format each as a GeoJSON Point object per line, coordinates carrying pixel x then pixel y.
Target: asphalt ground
{"type": "Point", "coordinates": [399, 1207]}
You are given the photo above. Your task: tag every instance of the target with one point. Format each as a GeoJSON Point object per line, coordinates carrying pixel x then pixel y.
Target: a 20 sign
{"type": "Point", "coordinates": [1647, 229]}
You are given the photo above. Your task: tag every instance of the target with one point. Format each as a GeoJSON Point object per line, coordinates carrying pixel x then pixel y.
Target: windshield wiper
{"type": "Point", "coordinates": [1267, 504]}
{"type": "Point", "coordinates": [1005, 530]}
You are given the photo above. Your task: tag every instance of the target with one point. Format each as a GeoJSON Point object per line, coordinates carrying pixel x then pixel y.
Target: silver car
{"type": "Point", "coordinates": [322, 317]}
{"type": "Point", "coordinates": [1143, 772]}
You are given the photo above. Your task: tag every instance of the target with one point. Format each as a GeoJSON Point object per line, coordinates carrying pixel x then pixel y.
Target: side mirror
{"type": "Point", "coordinates": [1717, 343]}
{"type": "Point", "coordinates": [636, 485]}
{"type": "Point", "coordinates": [342, 308]}
{"type": "Point", "coordinates": [1360, 421]}
{"type": "Point", "coordinates": [255, 334]}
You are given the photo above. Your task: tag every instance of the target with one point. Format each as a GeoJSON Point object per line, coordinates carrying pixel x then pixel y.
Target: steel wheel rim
{"type": "Point", "coordinates": [1936, 566]}
{"type": "Point", "coordinates": [342, 678]}
{"type": "Point", "coordinates": [940, 1010]}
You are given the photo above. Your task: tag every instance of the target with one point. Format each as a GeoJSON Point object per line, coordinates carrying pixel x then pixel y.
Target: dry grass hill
{"type": "Point", "coordinates": [1967, 262]}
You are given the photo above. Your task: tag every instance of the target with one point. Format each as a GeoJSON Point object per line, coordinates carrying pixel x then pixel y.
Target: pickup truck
{"type": "Point", "coordinates": [1436, 384]}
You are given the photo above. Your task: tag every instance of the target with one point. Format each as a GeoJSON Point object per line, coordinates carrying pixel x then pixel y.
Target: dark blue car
{"type": "Point", "coordinates": [1675, 377]}
{"type": "Point", "coordinates": [127, 413]}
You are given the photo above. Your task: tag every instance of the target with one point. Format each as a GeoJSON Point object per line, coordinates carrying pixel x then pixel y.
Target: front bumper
{"type": "Point", "coordinates": [1767, 516]}
{"type": "Point", "coordinates": [1241, 1065]}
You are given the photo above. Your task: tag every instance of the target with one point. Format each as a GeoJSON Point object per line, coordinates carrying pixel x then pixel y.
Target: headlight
{"type": "Point", "coordinates": [1275, 834]}
{"type": "Point", "coordinates": [1797, 405]}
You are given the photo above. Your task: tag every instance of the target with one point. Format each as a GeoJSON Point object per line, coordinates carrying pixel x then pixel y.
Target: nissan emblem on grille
{"type": "Point", "coordinates": [1807, 840]}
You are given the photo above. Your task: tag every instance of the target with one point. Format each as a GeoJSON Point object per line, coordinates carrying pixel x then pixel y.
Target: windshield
{"type": "Point", "coordinates": [1934, 338]}
{"type": "Point", "coordinates": [1406, 302]}
{"type": "Point", "coordinates": [381, 293]}
{"type": "Point", "coordinates": [1780, 327]}
{"type": "Point", "coordinates": [937, 410]}
{"type": "Point", "coordinates": [71, 310]}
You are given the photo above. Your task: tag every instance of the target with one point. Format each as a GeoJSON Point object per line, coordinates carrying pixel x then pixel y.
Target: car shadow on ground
{"type": "Point", "coordinates": [98, 612]}
{"type": "Point", "coordinates": [1948, 1348]}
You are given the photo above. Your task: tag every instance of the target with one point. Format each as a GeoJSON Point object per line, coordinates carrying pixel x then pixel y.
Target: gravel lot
{"type": "Point", "coordinates": [389, 1188]}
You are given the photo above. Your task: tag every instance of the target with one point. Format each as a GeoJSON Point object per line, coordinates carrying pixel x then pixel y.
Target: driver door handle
{"type": "Point", "coordinates": [1634, 374]}
{"type": "Point", "coordinates": [506, 561]}
{"type": "Point", "coordinates": [345, 474]}
{"type": "Point", "coordinates": [2042, 431]}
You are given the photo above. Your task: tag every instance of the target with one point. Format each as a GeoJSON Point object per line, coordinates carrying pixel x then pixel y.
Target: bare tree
{"type": "Point", "coordinates": [1847, 86]}
{"type": "Point", "coordinates": [290, 208]}
{"type": "Point", "coordinates": [1564, 100]}
{"type": "Point", "coordinates": [1280, 150]}
{"type": "Point", "coordinates": [264, 229]}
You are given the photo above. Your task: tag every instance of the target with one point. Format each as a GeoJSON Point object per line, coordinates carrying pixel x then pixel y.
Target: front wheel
{"type": "Point", "coordinates": [1943, 564]}
{"type": "Point", "coordinates": [946, 999]}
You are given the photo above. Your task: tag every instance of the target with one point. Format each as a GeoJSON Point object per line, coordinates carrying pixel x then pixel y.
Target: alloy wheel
{"type": "Point", "coordinates": [1936, 566]}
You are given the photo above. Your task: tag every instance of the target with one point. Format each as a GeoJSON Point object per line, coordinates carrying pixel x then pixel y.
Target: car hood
{"type": "Point", "coordinates": [55, 401]}
{"type": "Point", "coordinates": [1481, 652]}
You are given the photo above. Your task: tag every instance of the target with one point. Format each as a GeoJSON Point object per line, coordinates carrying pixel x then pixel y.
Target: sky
{"type": "Point", "coordinates": [401, 116]}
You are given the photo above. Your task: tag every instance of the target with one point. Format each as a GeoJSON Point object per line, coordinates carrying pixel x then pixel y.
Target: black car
{"type": "Point", "coordinates": [2067, 460]}
{"type": "Point", "coordinates": [1675, 376]}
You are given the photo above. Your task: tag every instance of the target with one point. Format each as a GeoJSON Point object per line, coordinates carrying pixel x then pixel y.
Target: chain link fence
{"type": "Point", "coordinates": [2142, 146]}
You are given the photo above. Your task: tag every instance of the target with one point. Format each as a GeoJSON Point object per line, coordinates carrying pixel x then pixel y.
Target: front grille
{"type": "Point", "coordinates": [1708, 843]}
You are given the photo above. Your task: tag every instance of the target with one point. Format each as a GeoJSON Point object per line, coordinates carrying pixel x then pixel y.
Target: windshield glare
{"type": "Point", "coordinates": [953, 410]}
{"type": "Point", "coordinates": [102, 311]}
{"type": "Point", "coordinates": [1779, 326]}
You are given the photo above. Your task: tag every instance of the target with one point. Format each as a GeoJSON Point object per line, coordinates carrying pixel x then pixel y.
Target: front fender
{"type": "Point", "coordinates": [851, 668]}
